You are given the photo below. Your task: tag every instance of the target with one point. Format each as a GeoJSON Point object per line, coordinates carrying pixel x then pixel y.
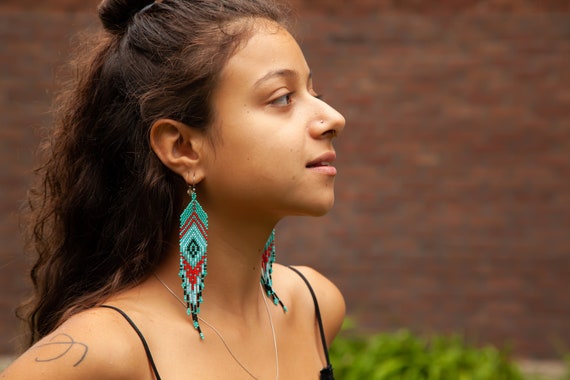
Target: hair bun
{"type": "Point", "coordinates": [115, 15]}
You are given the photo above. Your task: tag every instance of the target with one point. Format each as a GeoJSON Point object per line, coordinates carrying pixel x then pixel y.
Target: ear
{"type": "Point", "coordinates": [180, 148]}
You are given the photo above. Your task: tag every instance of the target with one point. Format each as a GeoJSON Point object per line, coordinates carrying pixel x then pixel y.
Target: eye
{"type": "Point", "coordinates": [284, 100]}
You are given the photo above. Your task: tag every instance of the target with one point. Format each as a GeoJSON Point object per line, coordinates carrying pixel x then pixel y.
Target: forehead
{"type": "Point", "coordinates": [270, 48]}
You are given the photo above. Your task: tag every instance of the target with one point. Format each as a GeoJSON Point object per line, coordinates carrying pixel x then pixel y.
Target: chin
{"type": "Point", "coordinates": [321, 209]}
{"type": "Point", "coordinates": [313, 206]}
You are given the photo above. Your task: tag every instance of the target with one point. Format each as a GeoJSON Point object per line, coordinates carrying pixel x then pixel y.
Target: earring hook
{"type": "Point", "coordinates": [192, 186]}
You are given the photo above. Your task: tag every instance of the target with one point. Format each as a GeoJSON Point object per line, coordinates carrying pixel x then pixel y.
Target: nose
{"type": "Point", "coordinates": [328, 122]}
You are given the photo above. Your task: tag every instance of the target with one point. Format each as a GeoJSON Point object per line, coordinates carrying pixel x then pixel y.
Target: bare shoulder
{"type": "Point", "coordinates": [94, 344]}
{"type": "Point", "coordinates": [331, 300]}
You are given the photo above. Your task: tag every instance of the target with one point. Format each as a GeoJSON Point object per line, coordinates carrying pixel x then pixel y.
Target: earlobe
{"type": "Point", "coordinates": [177, 146]}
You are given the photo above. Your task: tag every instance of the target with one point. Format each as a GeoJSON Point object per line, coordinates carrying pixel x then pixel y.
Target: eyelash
{"type": "Point", "coordinates": [289, 96]}
{"type": "Point", "coordinates": [276, 101]}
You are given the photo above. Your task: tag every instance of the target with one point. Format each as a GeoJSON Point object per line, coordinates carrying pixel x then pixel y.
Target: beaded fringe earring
{"type": "Point", "coordinates": [193, 259]}
{"type": "Point", "coordinates": [267, 269]}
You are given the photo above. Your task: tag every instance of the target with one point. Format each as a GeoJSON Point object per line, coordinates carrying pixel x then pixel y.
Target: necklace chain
{"type": "Point", "coordinates": [222, 338]}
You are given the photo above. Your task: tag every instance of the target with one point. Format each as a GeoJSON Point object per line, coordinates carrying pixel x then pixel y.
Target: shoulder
{"type": "Point", "coordinates": [94, 344]}
{"type": "Point", "coordinates": [330, 299]}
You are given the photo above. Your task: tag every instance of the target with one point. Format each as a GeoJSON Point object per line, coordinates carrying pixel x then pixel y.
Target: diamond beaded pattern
{"type": "Point", "coordinates": [193, 260]}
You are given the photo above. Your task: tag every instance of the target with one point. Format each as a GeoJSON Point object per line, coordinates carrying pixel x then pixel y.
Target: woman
{"type": "Point", "coordinates": [192, 128]}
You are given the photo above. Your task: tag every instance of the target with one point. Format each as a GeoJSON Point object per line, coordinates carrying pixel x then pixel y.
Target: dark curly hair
{"type": "Point", "coordinates": [103, 209]}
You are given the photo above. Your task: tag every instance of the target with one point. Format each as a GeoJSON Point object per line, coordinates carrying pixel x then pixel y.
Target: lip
{"type": "Point", "coordinates": [323, 163]}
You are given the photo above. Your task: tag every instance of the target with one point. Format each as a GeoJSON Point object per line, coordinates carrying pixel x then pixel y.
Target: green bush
{"type": "Point", "coordinates": [566, 359]}
{"type": "Point", "coordinates": [405, 356]}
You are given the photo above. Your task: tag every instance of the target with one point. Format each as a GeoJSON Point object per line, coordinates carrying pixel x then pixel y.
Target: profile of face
{"type": "Point", "coordinates": [274, 154]}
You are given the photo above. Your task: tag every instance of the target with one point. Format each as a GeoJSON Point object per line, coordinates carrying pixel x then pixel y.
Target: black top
{"type": "Point", "coordinates": [325, 374]}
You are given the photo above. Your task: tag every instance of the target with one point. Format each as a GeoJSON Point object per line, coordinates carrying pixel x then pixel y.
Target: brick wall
{"type": "Point", "coordinates": [453, 195]}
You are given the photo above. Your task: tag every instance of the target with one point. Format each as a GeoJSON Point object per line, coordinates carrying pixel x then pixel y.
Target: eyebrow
{"type": "Point", "coordinates": [285, 73]}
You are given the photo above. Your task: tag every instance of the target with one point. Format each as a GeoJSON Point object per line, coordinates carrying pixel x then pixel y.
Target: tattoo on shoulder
{"type": "Point", "coordinates": [66, 345]}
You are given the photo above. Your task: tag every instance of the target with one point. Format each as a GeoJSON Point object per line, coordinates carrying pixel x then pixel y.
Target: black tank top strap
{"type": "Point", "coordinates": [327, 372]}
{"type": "Point", "coordinates": [141, 336]}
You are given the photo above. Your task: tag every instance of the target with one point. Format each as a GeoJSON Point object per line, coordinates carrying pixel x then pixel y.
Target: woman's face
{"type": "Point", "coordinates": [273, 154]}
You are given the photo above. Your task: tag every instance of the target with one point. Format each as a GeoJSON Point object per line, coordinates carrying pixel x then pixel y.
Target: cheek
{"type": "Point", "coordinates": [253, 141]}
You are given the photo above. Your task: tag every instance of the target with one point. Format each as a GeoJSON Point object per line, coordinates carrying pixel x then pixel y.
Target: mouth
{"type": "Point", "coordinates": [319, 164]}
{"type": "Point", "coordinates": [323, 160]}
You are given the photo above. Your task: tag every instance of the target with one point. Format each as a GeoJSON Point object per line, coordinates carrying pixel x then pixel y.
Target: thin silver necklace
{"type": "Point", "coordinates": [222, 338]}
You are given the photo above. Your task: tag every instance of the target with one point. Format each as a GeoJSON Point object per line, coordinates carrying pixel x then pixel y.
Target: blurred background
{"type": "Point", "coordinates": [453, 194]}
